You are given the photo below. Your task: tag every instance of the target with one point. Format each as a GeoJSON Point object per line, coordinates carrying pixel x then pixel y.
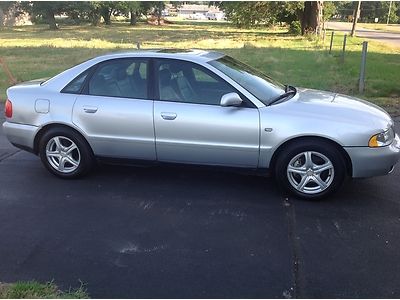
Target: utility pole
{"type": "Point", "coordinates": [388, 18]}
{"type": "Point", "coordinates": [355, 18]}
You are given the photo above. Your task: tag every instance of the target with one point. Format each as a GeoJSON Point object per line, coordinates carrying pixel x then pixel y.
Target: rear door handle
{"type": "Point", "coordinates": [168, 116]}
{"type": "Point", "coordinates": [90, 109]}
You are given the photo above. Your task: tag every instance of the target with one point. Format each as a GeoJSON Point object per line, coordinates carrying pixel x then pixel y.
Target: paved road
{"type": "Point", "coordinates": [185, 232]}
{"type": "Point", "coordinates": [390, 38]}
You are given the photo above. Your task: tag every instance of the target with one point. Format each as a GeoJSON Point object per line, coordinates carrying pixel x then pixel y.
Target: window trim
{"type": "Point", "coordinates": [94, 68]}
{"type": "Point", "coordinates": [157, 60]}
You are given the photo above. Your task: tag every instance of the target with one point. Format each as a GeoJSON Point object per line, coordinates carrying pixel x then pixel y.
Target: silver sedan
{"type": "Point", "coordinates": [199, 107]}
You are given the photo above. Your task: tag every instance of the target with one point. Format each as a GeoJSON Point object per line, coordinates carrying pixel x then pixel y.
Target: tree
{"type": "Point", "coordinates": [46, 10]}
{"type": "Point", "coordinates": [79, 11]}
{"type": "Point", "coordinates": [94, 11]}
{"type": "Point", "coordinates": [290, 11]}
{"type": "Point", "coordinates": [249, 14]}
{"type": "Point", "coordinates": [108, 8]}
{"type": "Point", "coordinates": [377, 9]}
{"type": "Point", "coordinates": [133, 10]}
{"type": "Point", "coordinates": [329, 10]}
{"type": "Point", "coordinates": [5, 7]}
{"type": "Point", "coordinates": [311, 17]}
{"type": "Point", "coordinates": [157, 8]}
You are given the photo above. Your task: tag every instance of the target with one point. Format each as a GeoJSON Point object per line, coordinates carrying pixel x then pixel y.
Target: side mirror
{"type": "Point", "coordinates": [231, 99]}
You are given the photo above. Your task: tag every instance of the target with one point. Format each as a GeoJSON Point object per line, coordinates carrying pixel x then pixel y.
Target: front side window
{"type": "Point", "coordinates": [260, 85]}
{"type": "Point", "coordinates": [125, 78]}
{"type": "Point", "coordinates": [183, 81]}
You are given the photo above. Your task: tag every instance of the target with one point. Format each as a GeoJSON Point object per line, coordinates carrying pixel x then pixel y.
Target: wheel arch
{"type": "Point", "coordinates": [345, 155]}
{"type": "Point", "coordinates": [49, 126]}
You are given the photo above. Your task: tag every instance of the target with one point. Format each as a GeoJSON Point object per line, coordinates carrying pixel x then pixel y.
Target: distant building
{"type": "Point", "coordinates": [187, 11]}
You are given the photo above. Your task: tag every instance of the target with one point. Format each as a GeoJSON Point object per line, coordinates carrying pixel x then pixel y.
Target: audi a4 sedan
{"type": "Point", "coordinates": [199, 107]}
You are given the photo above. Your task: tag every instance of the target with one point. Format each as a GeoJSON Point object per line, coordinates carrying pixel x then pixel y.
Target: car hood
{"type": "Point", "coordinates": [331, 106]}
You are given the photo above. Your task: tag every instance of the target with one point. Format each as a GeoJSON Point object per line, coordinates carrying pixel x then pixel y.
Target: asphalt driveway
{"type": "Point", "coordinates": [188, 232]}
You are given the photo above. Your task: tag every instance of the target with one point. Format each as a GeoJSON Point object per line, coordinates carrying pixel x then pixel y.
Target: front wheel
{"type": "Point", "coordinates": [65, 153]}
{"type": "Point", "coordinates": [310, 170]}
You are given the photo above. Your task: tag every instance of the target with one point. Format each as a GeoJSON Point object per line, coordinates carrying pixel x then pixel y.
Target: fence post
{"type": "Point", "coordinates": [361, 82]}
{"type": "Point", "coordinates": [330, 47]}
{"type": "Point", "coordinates": [344, 46]}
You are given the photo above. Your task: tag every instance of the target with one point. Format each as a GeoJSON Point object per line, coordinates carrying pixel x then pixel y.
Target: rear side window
{"type": "Point", "coordinates": [76, 85]}
{"type": "Point", "coordinates": [124, 78]}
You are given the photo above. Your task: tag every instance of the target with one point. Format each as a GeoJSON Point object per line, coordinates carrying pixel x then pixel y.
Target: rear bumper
{"type": "Point", "coordinates": [20, 135]}
{"type": "Point", "coordinates": [368, 162]}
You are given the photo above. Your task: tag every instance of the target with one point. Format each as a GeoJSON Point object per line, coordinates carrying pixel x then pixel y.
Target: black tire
{"type": "Point", "coordinates": [295, 149]}
{"type": "Point", "coordinates": [86, 158]}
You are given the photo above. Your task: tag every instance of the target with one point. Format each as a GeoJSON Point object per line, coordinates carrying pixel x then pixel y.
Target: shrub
{"type": "Point", "coordinates": [295, 28]}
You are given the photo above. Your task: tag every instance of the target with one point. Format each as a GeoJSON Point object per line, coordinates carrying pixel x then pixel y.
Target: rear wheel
{"type": "Point", "coordinates": [310, 169]}
{"type": "Point", "coordinates": [65, 153]}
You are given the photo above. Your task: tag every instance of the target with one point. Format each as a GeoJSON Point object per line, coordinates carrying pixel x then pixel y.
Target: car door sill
{"type": "Point", "coordinates": [152, 163]}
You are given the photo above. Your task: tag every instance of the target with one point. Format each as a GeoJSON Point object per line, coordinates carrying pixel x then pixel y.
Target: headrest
{"type": "Point", "coordinates": [121, 73]}
{"type": "Point", "coordinates": [165, 76]}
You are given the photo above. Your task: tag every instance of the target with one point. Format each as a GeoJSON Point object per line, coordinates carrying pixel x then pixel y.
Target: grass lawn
{"type": "Point", "coordinates": [35, 290]}
{"type": "Point", "coordinates": [35, 52]}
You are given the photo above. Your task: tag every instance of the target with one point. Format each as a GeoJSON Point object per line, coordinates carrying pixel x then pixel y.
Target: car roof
{"type": "Point", "coordinates": [186, 54]}
{"type": "Point", "coordinates": [198, 56]}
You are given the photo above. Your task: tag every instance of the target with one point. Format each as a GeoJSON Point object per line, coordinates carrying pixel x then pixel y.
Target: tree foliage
{"type": "Point", "coordinates": [5, 7]}
{"type": "Point", "coordinates": [308, 14]}
{"type": "Point", "coordinates": [87, 11]}
{"type": "Point", "coordinates": [256, 13]}
{"type": "Point", "coordinates": [45, 10]}
{"type": "Point", "coordinates": [248, 14]}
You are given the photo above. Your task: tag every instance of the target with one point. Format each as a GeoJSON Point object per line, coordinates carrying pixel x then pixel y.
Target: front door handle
{"type": "Point", "coordinates": [90, 109]}
{"type": "Point", "coordinates": [168, 116]}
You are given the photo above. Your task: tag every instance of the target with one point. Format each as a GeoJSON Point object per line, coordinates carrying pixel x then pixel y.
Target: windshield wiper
{"type": "Point", "coordinates": [289, 90]}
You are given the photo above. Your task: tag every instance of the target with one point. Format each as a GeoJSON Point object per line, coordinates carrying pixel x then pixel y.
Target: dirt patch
{"type": "Point", "coordinates": [3, 289]}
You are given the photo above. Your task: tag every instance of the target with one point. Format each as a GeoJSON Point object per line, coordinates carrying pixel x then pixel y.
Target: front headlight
{"type": "Point", "coordinates": [382, 139]}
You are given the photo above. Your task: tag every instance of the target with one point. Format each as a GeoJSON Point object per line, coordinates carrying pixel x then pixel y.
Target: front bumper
{"type": "Point", "coordinates": [368, 162]}
{"type": "Point", "coordinates": [20, 135]}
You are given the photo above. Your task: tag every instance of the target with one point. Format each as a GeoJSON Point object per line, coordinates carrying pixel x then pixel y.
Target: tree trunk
{"type": "Point", "coordinates": [133, 18]}
{"type": "Point", "coordinates": [2, 17]}
{"type": "Point", "coordinates": [311, 17]}
{"type": "Point", "coordinates": [159, 17]}
{"type": "Point", "coordinates": [107, 16]}
{"type": "Point", "coordinates": [95, 19]}
{"type": "Point", "coordinates": [51, 20]}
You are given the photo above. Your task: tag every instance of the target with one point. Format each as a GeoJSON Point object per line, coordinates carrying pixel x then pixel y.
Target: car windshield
{"type": "Point", "coordinates": [258, 84]}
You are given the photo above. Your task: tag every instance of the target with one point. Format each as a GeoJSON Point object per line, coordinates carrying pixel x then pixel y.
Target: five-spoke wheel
{"type": "Point", "coordinates": [310, 168]}
{"type": "Point", "coordinates": [65, 153]}
{"type": "Point", "coordinates": [310, 172]}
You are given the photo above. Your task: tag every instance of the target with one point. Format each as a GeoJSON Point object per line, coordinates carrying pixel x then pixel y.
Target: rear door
{"type": "Point", "coordinates": [116, 112]}
{"type": "Point", "coordinates": [190, 124]}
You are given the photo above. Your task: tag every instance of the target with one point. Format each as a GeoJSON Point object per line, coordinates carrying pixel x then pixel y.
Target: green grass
{"type": "Point", "coordinates": [36, 290]}
{"type": "Point", "coordinates": [35, 52]}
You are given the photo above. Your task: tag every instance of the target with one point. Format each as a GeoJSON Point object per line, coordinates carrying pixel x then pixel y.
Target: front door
{"type": "Point", "coordinates": [192, 127]}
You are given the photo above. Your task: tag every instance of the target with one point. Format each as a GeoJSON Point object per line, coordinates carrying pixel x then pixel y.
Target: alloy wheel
{"type": "Point", "coordinates": [310, 172]}
{"type": "Point", "coordinates": [63, 154]}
